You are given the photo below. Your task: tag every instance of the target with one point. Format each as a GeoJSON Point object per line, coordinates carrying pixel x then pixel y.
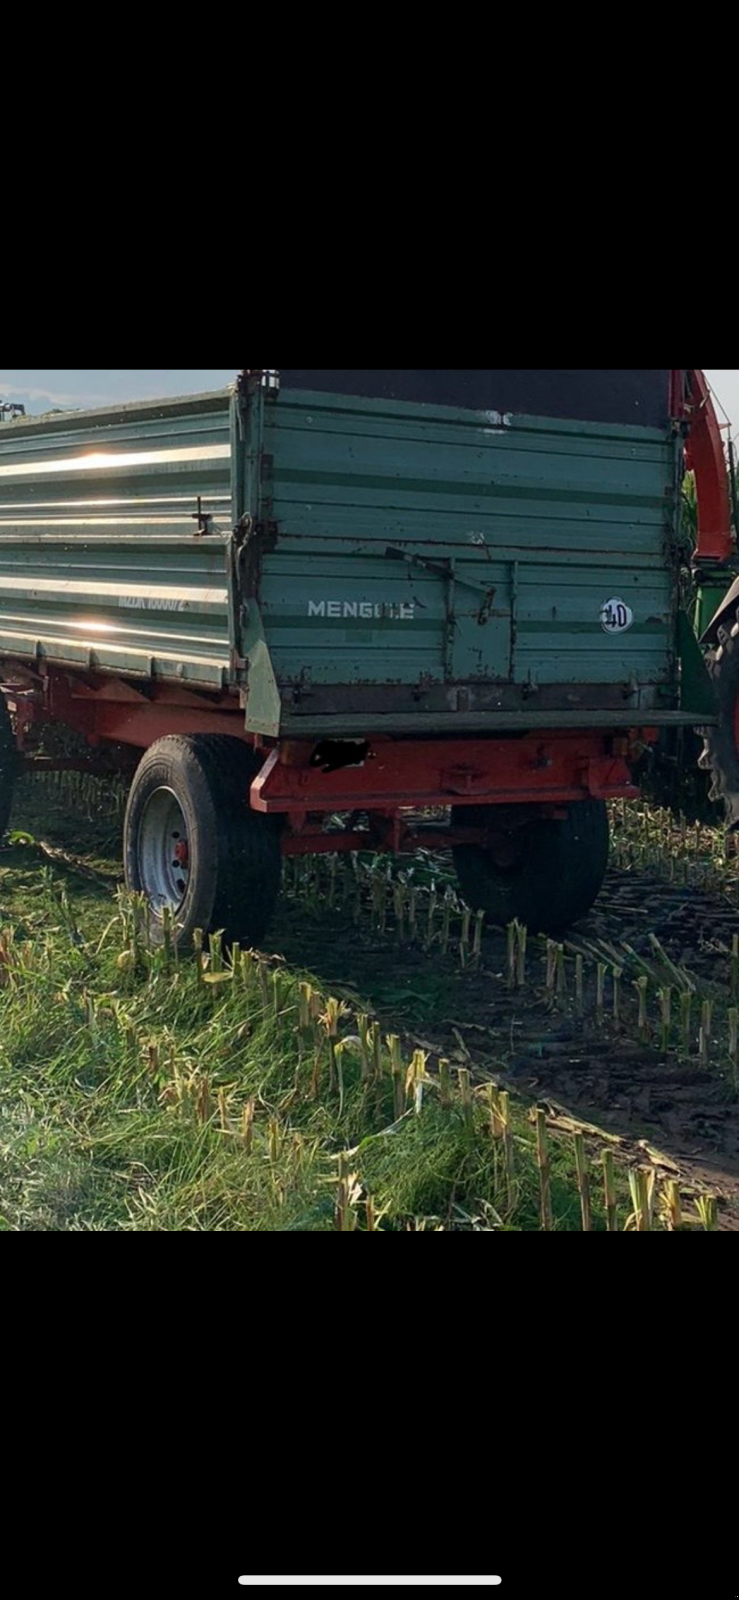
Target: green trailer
{"type": "Point", "coordinates": [340, 610]}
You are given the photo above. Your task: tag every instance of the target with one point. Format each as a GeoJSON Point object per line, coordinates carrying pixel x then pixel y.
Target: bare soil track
{"type": "Point", "coordinates": [655, 1105]}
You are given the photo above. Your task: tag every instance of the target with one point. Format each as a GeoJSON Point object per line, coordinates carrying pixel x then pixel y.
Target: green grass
{"type": "Point", "coordinates": [138, 1093]}
{"type": "Point", "coordinates": [141, 1093]}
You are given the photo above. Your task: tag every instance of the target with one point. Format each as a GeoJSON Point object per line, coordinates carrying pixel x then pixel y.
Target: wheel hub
{"type": "Point", "coordinates": [164, 851]}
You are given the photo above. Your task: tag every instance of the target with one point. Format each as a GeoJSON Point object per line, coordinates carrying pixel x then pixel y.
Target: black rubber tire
{"type": "Point", "coordinates": [556, 877]}
{"type": "Point", "coordinates": [8, 765]}
{"type": "Point", "coordinates": [720, 755]}
{"type": "Point", "coordinates": [235, 862]}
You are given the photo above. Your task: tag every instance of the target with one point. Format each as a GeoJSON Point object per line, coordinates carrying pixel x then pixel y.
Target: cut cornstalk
{"type": "Point", "coordinates": [263, 977]}
{"type": "Point", "coordinates": [248, 1125]}
{"type": "Point", "coordinates": [508, 1146]}
{"type": "Point", "coordinates": [600, 996]}
{"type": "Point", "coordinates": [609, 1192]}
{"type": "Point", "coordinates": [223, 1115]}
{"type": "Point", "coordinates": [617, 974]}
{"type": "Point", "coordinates": [705, 1031]}
{"type": "Point", "coordinates": [396, 1067]}
{"type": "Point", "coordinates": [545, 1176]}
{"type": "Point", "coordinates": [215, 945]}
{"type": "Point", "coordinates": [665, 1008]}
{"type": "Point", "coordinates": [415, 1079]}
{"type": "Point", "coordinates": [305, 1017]}
{"type": "Point", "coordinates": [446, 924]}
{"type": "Point", "coordinates": [412, 915]}
{"type": "Point", "coordinates": [341, 1212]}
{"type": "Point", "coordinates": [672, 1211]}
{"type": "Point", "coordinates": [642, 989]}
{"type": "Point", "coordinates": [477, 945]}
{"type": "Point", "coordinates": [707, 1207]}
{"type": "Point", "coordinates": [511, 943]}
{"type": "Point", "coordinates": [642, 1185]}
{"type": "Point", "coordinates": [376, 1043]}
{"type": "Point", "coordinates": [561, 972]}
{"type": "Point", "coordinates": [464, 938]}
{"type": "Point", "coordinates": [734, 1038]}
{"type": "Point", "coordinates": [465, 1093]}
{"type": "Point", "coordinates": [365, 1045]}
{"type": "Point", "coordinates": [335, 1010]}
{"type": "Point", "coordinates": [579, 985]}
{"type": "Point", "coordinates": [445, 1082]}
{"type": "Point", "coordinates": [496, 1120]}
{"type": "Point", "coordinates": [203, 1100]}
{"type": "Point", "coordinates": [399, 900]}
{"type": "Point", "coordinates": [523, 934]}
{"type": "Point", "coordinates": [583, 1183]}
{"type": "Point", "coordinates": [686, 1005]}
{"type": "Point", "coordinates": [338, 1057]}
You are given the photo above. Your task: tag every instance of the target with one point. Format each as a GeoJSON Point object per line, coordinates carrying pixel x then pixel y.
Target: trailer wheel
{"type": "Point", "coordinates": [721, 744]}
{"type": "Point", "coordinates": [191, 841]}
{"type": "Point", "coordinates": [545, 874]}
{"type": "Point", "coordinates": [8, 765]}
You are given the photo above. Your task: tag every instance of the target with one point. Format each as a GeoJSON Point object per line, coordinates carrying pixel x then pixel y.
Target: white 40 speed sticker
{"type": "Point", "coordinates": [616, 616]}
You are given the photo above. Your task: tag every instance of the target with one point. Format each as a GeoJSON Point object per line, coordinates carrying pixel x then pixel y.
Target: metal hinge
{"type": "Point", "coordinates": [203, 519]}
{"type": "Point", "coordinates": [244, 529]}
{"type": "Point", "coordinates": [251, 378]}
{"type": "Point", "coordinates": [249, 528]}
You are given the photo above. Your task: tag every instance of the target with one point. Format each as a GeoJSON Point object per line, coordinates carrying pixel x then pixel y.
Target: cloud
{"type": "Point", "coordinates": [40, 390]}
{"type": "Point", "coordinates": [52, 397]}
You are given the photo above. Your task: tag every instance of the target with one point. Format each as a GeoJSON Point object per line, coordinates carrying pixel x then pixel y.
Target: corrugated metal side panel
{"type": "Point", "coordinates": [100, 564]}
{"type": "Point", "coordinates": [469, 550]}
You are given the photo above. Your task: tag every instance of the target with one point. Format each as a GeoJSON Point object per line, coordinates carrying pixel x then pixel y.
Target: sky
{"type": "Point", "coordinates": [725, 384]}
{"type": "Point", "coordinates": [40, 390]}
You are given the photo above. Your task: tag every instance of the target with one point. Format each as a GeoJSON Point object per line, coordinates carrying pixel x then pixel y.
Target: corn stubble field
{"type": "Point", "coordinates": [389, 1064]}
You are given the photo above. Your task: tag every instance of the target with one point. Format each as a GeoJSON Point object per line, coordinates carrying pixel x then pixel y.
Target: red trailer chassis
{"type": "Point", "coordinates": [389, 777]}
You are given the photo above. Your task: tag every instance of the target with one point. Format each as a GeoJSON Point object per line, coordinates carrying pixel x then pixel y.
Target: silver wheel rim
{"type": "Point", "coordinates": [164, 851]}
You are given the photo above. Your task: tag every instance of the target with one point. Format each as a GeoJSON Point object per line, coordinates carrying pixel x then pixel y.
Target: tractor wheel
{"type": "Point", "coordinates": [544, 874]}
{"type": "Point", "coordinates": [192, 843]}
{"type": "Point", "coordinates": [721, 744]}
